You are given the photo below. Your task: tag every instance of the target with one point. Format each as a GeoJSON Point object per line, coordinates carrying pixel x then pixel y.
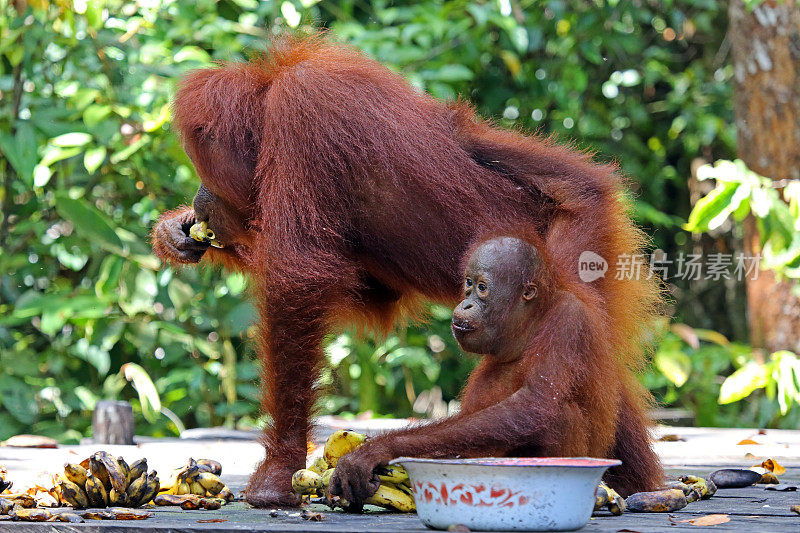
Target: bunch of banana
{"type": "Point", "coordinates": [394, 491]}
{"type": "Point", "coordinates": [200, 232]}
{"type": "Point", "coordinates": [199, 478]}
{"type": "Point", "coordinates": [103, 481]}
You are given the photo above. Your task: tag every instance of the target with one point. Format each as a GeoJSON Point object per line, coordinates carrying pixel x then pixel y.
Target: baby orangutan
{"type": "Point", "coordinates": [548, 384]}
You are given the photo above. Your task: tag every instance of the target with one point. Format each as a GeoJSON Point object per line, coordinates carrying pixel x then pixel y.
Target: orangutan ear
{"type": "Point", "coordinates": [529, 291]}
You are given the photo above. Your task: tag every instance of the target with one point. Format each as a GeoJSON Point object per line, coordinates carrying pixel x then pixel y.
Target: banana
{"type": "Point", "coordinates": [32, 515]}
{"type": "Point", "coordinates": [174, 499]}
{"type": "Point", "coordinates": [392, 474]}
{"type": "Point", "coordinates": [117, 473]}
{"type": "Point", "coordinates": [197, 488]}
{"type": "Point", "coordinates": [201, 232]}
{"type": "Point", "coordinates": [391, 497]}
{"type": "Point", "coordinates": [210, 482]}
{"type": "Point", "coordinates": [118, 498]}
{"type": "Point", "coordinates": [326, 477]}
{"type": "Point", "coordinates": [137, 469]}
{"type": "Point", "coordinates": [171, 481]}
{"type": "Point", "coordinates": [70, 517]}
{"type": "Point", "coordinates": [97, 468]}
{"type": "Point", "coordinates": [75, 473]}
{"type": "Point", "coordinates": [182, 488]}
{"type": "Point", "coordinates": [152, 486]}
{"type": "Point", "coordinates": [226, 494]}
{"type": "Point", "coordinates": [341, 443]}
{"type": "Point", "coordinates": [98, 496]}
{"type": "Point", "coordinates": [305, 481]}
{"type": "Point", "coordinates": [72, 493]}
{"type": "Point", "coordinates": [128, 514]}
{"type": "Point", "coordinates": [320, 465]}
{"type": "Point", "coordinates": [214, 466]}
{"type": "Point", "coordinates": [123, 465]}
{"type": "Point", "coordinates": [137, 489]}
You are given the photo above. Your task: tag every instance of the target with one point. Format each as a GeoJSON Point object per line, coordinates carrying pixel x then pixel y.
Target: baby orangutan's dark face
{"type": "Point", "coordinates": [499, 296]}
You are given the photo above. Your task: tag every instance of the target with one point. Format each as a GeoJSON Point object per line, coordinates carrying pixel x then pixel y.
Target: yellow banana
{"type": "Point", "coordinates": [341, 443]}
{"type": "Point", "coordinates": [391, 497]}
{"type": "Point", "coordinates": [320, 465]}
{"type": "Point", "coordinates": [305, 481]}
{"type": "Point", "coordinates": [75, 473]}
{"type": "Point", "coordinates": [326, 477]}
{"type": "Point", "coordinates": [210, 482]}
{"type": "Point", "coordinates": [196, 488]}
{"type": "Point", "coordinates": [201, 232]}
{"type": "Point", "coordinates": [392, 474]}
{"type": "Point", "coordinates": [182, 488]}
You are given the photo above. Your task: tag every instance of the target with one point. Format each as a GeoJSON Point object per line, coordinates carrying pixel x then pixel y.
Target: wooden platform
{"type": "Point", "coordinates": [752, 509]}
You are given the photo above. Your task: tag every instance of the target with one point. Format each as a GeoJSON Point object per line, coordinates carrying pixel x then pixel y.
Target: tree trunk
{"type": "Point", "coordinates": [766, 60]}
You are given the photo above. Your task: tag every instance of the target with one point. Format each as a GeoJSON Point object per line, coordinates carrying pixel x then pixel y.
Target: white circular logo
{"type": "Point", "coordinates": [591, 266]}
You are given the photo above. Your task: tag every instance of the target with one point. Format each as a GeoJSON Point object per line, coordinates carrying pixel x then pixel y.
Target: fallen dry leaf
{"type": "Point", "coordinates": [773, 466]}
{"type": "Point", "coordinates": [749, 455]}
{"type": "Point", "coordinates": [212, 520]}
{"type": "Point", "coordinates": [746, 441]}
{"type": "Point", "coordinates": [795, 509]}
{"type": "Point", "coordinates": [671, 437]}
{"type": "Point", "coordinates": [707, 520]}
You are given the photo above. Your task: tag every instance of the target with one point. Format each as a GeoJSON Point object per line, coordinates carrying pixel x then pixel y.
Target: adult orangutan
{"type": "Point", "coordinates": [548, 385]}
{"type": "Point", "coordinates": [349, 196]}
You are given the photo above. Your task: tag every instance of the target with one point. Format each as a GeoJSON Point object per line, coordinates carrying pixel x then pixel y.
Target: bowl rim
{"type": "Point", "coordinates": [527, 462]}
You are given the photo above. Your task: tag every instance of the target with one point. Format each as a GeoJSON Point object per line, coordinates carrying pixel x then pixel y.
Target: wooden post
{"type": "Point", "coordinates": [112, 422]}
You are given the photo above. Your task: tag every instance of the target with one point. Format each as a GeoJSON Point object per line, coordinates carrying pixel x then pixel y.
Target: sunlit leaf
{"type": "Point", "coordinates": [743, 382]}
{"type": "Point", "coordinates": [675, 365]}
{"type": "Point", "coordinates": [148, 395]}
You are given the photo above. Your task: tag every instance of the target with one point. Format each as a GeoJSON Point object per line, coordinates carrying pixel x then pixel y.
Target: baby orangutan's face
{"type": "Point", "coordinates": [498, 296]}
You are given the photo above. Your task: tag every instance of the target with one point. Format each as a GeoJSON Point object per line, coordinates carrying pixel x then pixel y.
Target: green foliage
{"type": "Point", "coordinates": [740, 192]}
{"type": "Point", "coordinates": [89, 161]}
{"type": "Point", "coordinates": [703, 372]}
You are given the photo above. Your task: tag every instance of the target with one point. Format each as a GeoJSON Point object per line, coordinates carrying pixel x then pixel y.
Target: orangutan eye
{"type": "Point", "coordinates": [468, 283]}
{"type": "Point", "coordinates": [481, 287]}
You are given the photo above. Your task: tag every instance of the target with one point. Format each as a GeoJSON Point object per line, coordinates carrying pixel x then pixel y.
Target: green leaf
{"type": "Point", "coordinates": [93, 158]}
{"type": "Point", "coordinates": [20, 150]}
{"type": "Point", "coordinates": [75, 138]}
{"type": "Point", "coordinates": [94, 114]}
{"type": "Point", "coordinates": [18, 399]}
{"type": "Point", "coordinates": [743, 382]}
{"type": "Point", "coordinates": [712, 210]}
{"type": "Point", "coordinates": [675, 365]}
{"type": "Point", "coordinates": [89, 221]}
{"type": "Point", "coordinates": [148, 395]}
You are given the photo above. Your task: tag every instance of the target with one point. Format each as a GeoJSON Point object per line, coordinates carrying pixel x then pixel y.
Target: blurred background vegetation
{"type": "Point", "coordinates": [88, 161]}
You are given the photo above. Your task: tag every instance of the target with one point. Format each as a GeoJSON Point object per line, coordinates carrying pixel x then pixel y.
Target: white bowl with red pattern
{"type": "Point", "coordinates": [506, 494]}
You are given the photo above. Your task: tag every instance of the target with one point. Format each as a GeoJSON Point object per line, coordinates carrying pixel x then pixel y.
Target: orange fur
{"type": "Point", "coordinates": [356, 196]}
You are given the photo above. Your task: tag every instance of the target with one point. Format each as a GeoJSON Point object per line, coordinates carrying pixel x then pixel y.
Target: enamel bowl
{"type": "Point", "coordinates": [506, 494]}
